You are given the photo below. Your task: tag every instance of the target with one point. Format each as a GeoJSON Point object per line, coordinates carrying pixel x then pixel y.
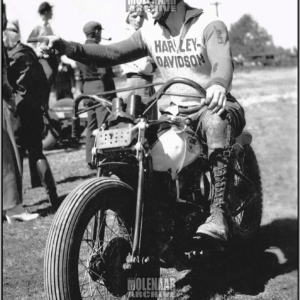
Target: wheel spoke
{"type": "Point", "coordinates": [92, 256]}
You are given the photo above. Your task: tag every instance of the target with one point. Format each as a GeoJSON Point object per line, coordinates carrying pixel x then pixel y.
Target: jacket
{"type": "Point", "coordinates": [96, 80]}
{"type": "Point", "coordinates": [27, 77]}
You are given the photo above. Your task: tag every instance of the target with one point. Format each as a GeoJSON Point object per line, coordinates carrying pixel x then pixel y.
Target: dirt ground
{"type": "Point", "coordinates": [269, 270]}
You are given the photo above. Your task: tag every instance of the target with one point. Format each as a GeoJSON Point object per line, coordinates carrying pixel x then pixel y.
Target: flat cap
{"type": "Point", "coordinates": [91, 27]}
{"type": "Point", "coordinates": [45, 6]}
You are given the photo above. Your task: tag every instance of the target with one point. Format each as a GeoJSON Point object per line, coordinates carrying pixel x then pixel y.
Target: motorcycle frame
{"type": "Point", "coordinates": [142, 154]}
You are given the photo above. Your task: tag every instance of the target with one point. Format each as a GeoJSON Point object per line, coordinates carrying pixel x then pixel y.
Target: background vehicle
{"type": "Point", "coordinates": [143, 208]}
{"type": "Point", "coordinates": [58, 129]}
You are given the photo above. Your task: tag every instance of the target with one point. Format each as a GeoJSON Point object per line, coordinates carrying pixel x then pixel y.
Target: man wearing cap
{"type": "Point", "coordinates": [29, 83]}
{"type": "Point", "coordinates": [50, 65]}
{"type": "Point", "coordinates": [95, 80]}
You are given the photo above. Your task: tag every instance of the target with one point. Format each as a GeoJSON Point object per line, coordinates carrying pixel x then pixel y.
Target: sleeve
{"type": "Point", "coordinates": [217, 44]}
{"type": "Point", "coordinates": [104, 56]}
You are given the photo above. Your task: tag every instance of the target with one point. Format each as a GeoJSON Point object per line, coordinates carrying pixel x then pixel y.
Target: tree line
{"type": "Point", "coordinates": [247, 37]}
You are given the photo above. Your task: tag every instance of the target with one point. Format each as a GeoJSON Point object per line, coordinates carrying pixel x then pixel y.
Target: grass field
{"type": "Point", "coordinates": [269, 97]}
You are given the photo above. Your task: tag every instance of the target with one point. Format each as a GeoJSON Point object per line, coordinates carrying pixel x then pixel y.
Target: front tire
{"type": "Point", "coordinates": [88, 242]}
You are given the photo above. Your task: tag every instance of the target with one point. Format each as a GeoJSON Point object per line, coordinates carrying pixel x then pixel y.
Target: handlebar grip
{"type": "Point", "coordinates": [76, 128]}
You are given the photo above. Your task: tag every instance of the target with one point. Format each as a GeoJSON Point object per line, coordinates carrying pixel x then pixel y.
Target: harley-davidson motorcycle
{"type": "Point", "coordinates": [141, 212]}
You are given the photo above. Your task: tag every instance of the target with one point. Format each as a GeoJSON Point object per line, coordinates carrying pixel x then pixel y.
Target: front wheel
{"type": "Point", "coordinates": [246, 197]}
{"type": "Point", "coordinates": [89, 241]}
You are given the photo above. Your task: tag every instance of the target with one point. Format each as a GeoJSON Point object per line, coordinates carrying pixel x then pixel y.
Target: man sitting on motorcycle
{"type": "Point", "coordinates": [185, 42]}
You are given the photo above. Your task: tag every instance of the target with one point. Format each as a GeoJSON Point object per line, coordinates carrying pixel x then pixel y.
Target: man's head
{"type": "Point", "coordinates": [11, 35]}
{"type": "Point", "coordinates": [160, 9]}
{"type": "Point", "coordinates": [136, 17]}
{"type": "Point", "coordinates": [45, 10]}
{"type": "Point", "coordinates": [93, 30]}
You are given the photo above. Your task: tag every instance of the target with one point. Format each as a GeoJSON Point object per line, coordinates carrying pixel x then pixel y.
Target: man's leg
{"type": "Point", "coordinates": [32, 130]}
{"type": "Point", "coordinates": [220, 133]}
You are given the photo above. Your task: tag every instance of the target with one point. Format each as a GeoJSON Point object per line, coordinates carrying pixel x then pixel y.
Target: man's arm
{"type": "Point", "coordinates": [105, 55]}
{"type": "Point", "coordinates": [218, 50]}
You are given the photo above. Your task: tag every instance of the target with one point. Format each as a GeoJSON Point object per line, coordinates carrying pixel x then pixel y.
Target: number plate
{"type": "Point", "coordinates": [113, 138]}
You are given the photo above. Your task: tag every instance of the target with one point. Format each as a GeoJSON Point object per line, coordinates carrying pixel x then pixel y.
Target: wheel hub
{"type": "Point", "coordinates": [109, 266]}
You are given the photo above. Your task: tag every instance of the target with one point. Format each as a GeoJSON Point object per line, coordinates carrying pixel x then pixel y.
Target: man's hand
{"type": "Point", "coordinates": [48, 44]}
{"type": "Point", "coordinates": [216, 99]}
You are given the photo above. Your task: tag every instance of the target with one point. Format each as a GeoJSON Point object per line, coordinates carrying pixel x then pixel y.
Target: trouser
{"type": "Point", "coordinates": [12, 182]}
{"type": "Point", "coordinates": [95, 119]}
{"type": "Point", "coordinates": [214, 130]}
{"type": "Point", "coordinates": [28, 133]}
{"type": "Point", "coordinates": [11, 178]}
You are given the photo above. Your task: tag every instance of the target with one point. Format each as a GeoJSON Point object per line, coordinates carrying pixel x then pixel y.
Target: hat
{"type": "Point", "coordinates": [91, 27]}
{"type": "Point", "coordinates": [45, 6]}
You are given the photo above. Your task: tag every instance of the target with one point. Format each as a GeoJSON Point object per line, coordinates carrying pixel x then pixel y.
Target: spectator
{"type": "Point", "coordinates": [12, 179]}
{"type": "Point", "coordinates": [139, 72]}
{"type": "Point", "coordinates": [65, 81]}
{"type": "Point", "coordinates": [29, 82]}
{"type": "Point", "coordinates": [95, 80]}
{"type": "Point", "coordinates": [50, 65]}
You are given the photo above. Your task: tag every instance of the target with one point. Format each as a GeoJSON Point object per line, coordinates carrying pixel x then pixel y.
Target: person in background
{"type": "Point", "coordinates": [50, 65]}
{"type": "Point", "coordinates": [139, 72]}
{"type": "Point", "coordinates": [11, 168]}
{"type": "Point", "coordinates": [64, 82]}
{"type": "Point", "coordinates": [94, 80]}
{"type": "Point", "coordinates": [28, 80]}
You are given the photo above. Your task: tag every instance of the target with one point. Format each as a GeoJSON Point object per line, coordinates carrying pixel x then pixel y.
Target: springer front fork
{"type": "Point", "coordinates": [141, 155]}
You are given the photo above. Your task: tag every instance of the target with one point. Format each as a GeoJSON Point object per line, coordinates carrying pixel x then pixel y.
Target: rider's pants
{"type": "Point", "coordinates": [214, 129]}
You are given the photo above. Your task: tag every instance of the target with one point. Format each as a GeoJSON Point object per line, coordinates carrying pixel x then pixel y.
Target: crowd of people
{"type": "Point", "coordinates": [185, 42]}
{"type": "Point", "coordinates": [29, 80]}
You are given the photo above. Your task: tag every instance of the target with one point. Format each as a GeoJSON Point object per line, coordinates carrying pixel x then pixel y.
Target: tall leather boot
{"type": "Point", "coordinates": [34, 175]}
{"type": "Point", "coordinates": [215, 226]}
{"type": "Point", "coordinates": [48, 182]}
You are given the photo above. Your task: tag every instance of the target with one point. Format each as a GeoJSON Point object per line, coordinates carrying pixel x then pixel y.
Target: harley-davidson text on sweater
{"type": "Point", "coordinates": [201, 52]}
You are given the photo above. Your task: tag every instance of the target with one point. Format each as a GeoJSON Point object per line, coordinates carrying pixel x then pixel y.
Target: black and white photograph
{"type": "Point", "coordinates": [150, 150]}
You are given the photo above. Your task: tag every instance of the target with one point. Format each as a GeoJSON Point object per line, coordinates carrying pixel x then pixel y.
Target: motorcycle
{"type": "Point", "coordinates": [58, 124]}
{"type": "Point", "coordinates": [152, 191]}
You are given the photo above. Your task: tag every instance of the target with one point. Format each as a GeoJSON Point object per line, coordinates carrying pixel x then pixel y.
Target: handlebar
{"type": "Point", "coordinates": [150, 101]}
{"type": "Point", "coordinates": [154, 98]}
{"type": "Point", "coordinates": [76, 120]}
